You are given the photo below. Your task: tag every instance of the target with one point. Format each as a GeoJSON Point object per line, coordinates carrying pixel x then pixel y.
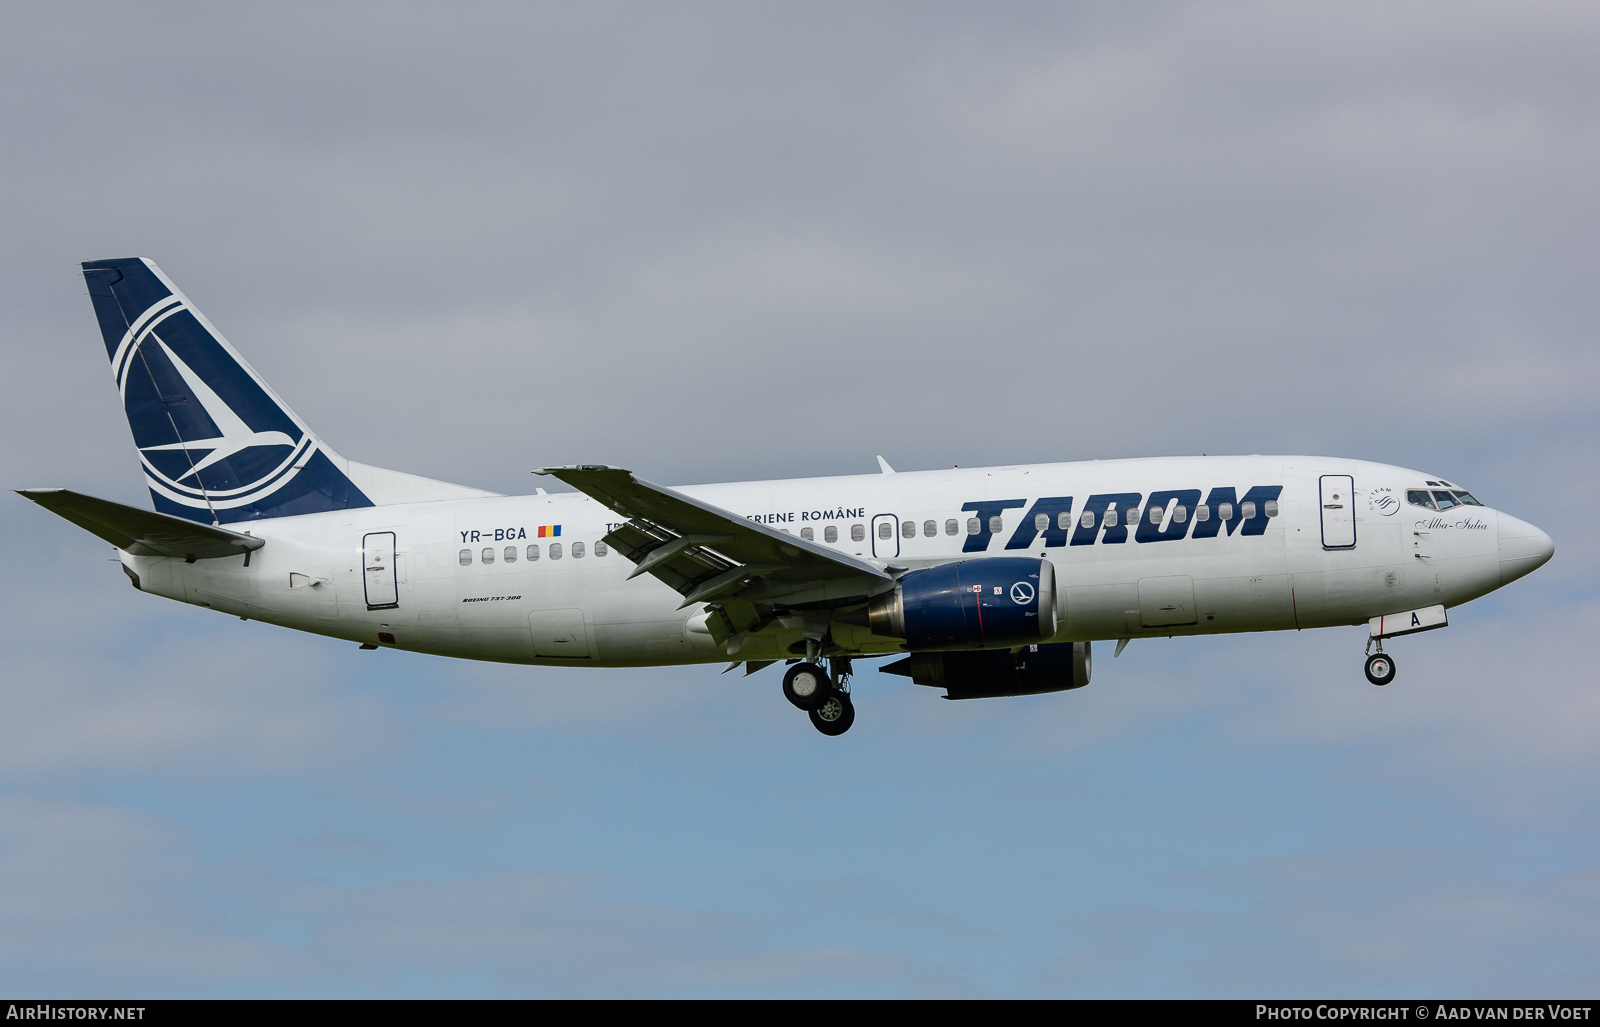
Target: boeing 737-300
{"type": "Point", "coordinates": [987, 581]}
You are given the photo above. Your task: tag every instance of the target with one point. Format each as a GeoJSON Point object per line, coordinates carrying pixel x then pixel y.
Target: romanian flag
{"type": "Point", "coordinates": [549, 531]}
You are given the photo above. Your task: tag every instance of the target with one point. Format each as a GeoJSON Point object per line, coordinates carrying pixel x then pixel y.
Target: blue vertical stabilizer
{"type": "Point", "coordinates": [216, 443]}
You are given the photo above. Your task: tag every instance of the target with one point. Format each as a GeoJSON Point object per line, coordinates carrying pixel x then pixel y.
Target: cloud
{"type": "Point", "coordinates": [554, 934]}
{"type": "Point", "coordinates": [1177, 207]}
{"type": "Point", "coordinates": [100, 676]}
{"type": "Point", "coordinates": [1394, 919]}
{"type": "Point", "coordinates": [172, 707]}
{"type": "Point", "coordinates": [94, 903]}
{"type": "Point", "coordinates": [99, 900]}
{"type": "Point", "coordinates": [1352, 923]}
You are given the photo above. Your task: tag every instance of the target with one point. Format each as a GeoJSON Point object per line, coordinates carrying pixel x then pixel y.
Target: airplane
{"type": "Point", "coordinates": [985, 581]}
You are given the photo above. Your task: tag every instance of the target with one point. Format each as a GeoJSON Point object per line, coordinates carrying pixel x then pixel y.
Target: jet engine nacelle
{"type": "Point", "coordinates": [980, 675]}
{"type": "Point", "coordinates": [970, 604]}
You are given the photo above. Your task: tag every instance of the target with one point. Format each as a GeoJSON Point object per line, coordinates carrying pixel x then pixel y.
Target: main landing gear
{"type": "Point", "coordinates": [826, 697]}
{"type": "Point", "coordinates": [1380, 665]}
{"type": "Point", "coordinates": [835, 715]}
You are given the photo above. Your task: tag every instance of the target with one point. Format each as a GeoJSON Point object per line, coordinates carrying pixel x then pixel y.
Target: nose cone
{"type": "Point", "coordinates": [1523, 548]}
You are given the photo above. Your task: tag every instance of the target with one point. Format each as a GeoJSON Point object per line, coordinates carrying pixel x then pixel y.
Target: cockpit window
{"type": "Point", "coordinates": [1446, 500]}
{"type": "Point", "coordinates": [1466, 498]}
{"type": "Point", "coordinates": [1419, 497]}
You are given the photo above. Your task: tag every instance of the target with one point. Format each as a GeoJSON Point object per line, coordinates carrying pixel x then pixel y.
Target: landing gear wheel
{"type": "Point", "coordinates": [834, 716]}
{"type": "Point", "coordinates": [807, 686]}
{"type": "Point", "coordinates": [1380, 668]}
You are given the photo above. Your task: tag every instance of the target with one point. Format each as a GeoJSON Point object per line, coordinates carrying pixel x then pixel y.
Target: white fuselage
{"type": "Point", "coordinates": [450, 600]}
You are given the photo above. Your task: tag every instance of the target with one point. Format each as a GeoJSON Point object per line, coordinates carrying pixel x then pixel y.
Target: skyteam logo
{"type": "Point", "coordinates": [1383, 501]}
{"type": "Point", "coordinates": [210, 435]}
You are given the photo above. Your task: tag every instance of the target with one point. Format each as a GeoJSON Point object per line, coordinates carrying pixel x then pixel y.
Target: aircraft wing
{"type": "Point", "coordinates": [714, 556]}
{"type": "Point", "coordinates": [143, 532]}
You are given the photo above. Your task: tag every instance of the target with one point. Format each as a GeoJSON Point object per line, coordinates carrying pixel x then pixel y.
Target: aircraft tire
{"type": "Point", "coordinates": [807, 686]}
{"type": "Point", "coordinates": [1380, 668]}
{"type": "Point", "coordinates": [834, 716]}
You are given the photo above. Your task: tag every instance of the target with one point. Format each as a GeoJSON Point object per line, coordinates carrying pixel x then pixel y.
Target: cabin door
{"type": "Point", "coordinates": [378, 559]}
{"type": "Point", "coordinates": [1338, 511]}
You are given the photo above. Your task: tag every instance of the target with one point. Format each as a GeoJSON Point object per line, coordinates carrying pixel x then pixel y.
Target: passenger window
{"type": "Point", "coordinates": [510, 554]}
{"type": "Point", "coordinates": [1202, 513]}
{"type": "Point", "coordinates": [952, 527]}
{"type": "Point", "coordinates": [1064, 520]}
{"type": "Point", "coordinates": [1225, 511]}
{"type": "Point", "coordinates": [1041, 522]}
{"type": "Point", "coordinates": [808, 534]}
{"type": "Point", "coordinates": [577, 550]}
{"type": "Point", "coordinates": [830, 534]}
{"type": "Point", "coordinates": [858, 532]}
{"type": "Point", "coordinates": [930, 528]}
{"type": "Point", "coordinates": [555, 550]}
{"type": "Point", "coordinates": [885, 529]}
{"type": "Point", "coordinates": [1419, 497]}
{"type": "Point", "coordinates": [1156, 513]}
{"type": "Point", "coordinates": [1248, 510]}
{"type": "Point", "coordinates": [601, 549]}
{"type": "Point", "coordinates": [533, 552]}
{"type": "Point", "coordinates": [488, 556]}
{"type": "Point", "coordinates": [1087, 520]}
{"type": "Point", "coordinates": [1466, 497]}
{"type": "Point", "coordinates": [1180, 514]}
{"type": "Point", "coordinates": [1110, 518]}
{"type": "Point", "coordinates": [1272, 507]}
{"type": "Point", "coordinates": [973, 526]}
{"type": "Point", "coordinates": [1446, 500]}
{"type": "Point", "coordinates": [997, 524]}
{"type": "Point", "coordinates": [908, 529]}
{"type": "Point", "coordinates": [465, 558]}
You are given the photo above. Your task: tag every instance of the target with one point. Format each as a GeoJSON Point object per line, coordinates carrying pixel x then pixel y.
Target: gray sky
{"type": "Point", "coordinates": [715, 242]}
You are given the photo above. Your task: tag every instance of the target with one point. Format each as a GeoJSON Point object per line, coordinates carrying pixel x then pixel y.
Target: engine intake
{"type": "Point", "coordinates": [969, 604]}
{"type": "Point", "coordinates": [981, 675]}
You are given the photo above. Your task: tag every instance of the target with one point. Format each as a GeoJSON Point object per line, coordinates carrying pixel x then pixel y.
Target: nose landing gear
{"type": "Point", "coordinates": [825, 696]}
{"type": "Point", "coordinates": [1380, 665]}
{"type": "Point", "coordinates": [1380, 668]}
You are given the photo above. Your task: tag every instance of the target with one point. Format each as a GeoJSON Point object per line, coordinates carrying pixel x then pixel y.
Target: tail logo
{"type": "Point", "coordinates": [210, 435]}
{"type": "Point", "coordinates": [236, 435]}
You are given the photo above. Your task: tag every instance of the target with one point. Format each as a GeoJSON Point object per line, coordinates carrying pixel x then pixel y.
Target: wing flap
{"type": "Point", "coordinates": [708, 554]}
{"type": "Point", "coordinates": [143, 532]}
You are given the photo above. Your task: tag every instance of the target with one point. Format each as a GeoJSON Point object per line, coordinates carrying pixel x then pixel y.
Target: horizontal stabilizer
{"type": "Point", "coordinates": [143, 532]}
